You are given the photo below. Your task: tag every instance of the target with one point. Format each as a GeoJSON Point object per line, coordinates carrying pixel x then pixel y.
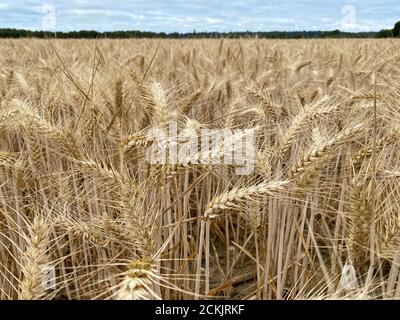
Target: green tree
{"type": "Point", "coordinates": [396, 30]}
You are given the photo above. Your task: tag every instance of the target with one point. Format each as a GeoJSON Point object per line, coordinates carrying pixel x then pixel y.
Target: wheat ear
{"type": "Point", "coordinates": [139, 281]}
{"type": "Point", "coordinates": [313, 161]}
{"type": "Point", "coordinates": [359, 220]}
{"type": "Point", "coordinates": [35, 258]}
{"type": "Point", "coordinates": [230, 198]}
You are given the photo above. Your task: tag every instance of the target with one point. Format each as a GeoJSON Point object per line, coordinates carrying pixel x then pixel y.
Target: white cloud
{"type": "Point", "coordinates": [4, 6]}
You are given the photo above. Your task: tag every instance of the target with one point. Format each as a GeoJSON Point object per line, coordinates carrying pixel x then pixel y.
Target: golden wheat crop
{"type": "Point", "coordinates": [318, 217]}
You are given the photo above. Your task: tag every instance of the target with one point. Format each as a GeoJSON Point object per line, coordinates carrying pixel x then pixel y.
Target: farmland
{"type": "Point", "coordinates": [309, 210]}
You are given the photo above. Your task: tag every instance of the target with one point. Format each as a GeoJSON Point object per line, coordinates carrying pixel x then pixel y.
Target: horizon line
{"type": "Point", "coordinates": [192, 32]}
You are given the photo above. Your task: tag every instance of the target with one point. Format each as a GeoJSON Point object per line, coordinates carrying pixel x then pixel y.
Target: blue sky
{"type": "Point", "coordinates": [202, 15]}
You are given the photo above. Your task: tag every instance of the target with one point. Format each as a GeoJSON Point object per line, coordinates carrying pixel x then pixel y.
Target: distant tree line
{"type": "Point", "coordinates": [91, 34]}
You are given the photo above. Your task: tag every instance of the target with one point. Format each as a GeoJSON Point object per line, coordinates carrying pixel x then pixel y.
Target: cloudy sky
{"type": "Point", "coordinates": [199, 15]}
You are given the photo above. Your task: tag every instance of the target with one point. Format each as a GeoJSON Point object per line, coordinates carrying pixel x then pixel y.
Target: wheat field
{"type": "Point", "coordinates": [317, 217]}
